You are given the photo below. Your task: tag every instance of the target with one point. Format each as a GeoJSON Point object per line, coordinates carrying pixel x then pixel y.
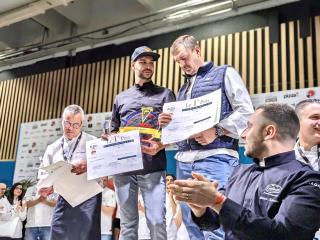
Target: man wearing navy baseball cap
{"type": "Point", "coordinates": [137, 109]}
{"type": "Point", "coordinates": [142, 52]}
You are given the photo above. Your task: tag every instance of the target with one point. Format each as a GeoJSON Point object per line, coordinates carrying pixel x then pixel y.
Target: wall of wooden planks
{"type": "Point", "coordinates": [292, 63]}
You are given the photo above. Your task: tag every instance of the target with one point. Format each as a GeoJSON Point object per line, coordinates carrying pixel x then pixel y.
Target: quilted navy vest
{"type": "Point", "coordinates": [209, 78]}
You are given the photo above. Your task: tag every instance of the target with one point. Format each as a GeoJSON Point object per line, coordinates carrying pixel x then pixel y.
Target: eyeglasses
{"type": "Point", "coordinates": [68, 124]}
{"type": "Point", "coordinates": [20, 188]}
{"type": "Point", "coordinates": [3, 189]}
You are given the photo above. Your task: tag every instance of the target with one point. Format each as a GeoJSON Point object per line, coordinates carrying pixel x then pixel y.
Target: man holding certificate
{"type": "Point", "coordinates": [137, 109]}
{"type": "Point", "coordinates": [71, 222]}
{"type": "Point", "coordinates": [211, 152]}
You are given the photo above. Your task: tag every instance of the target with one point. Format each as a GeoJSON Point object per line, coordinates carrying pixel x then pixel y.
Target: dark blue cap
{"type": "Point", "coordinates": [144, 51]}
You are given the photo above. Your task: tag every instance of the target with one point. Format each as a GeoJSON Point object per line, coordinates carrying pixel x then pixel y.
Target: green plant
{"type": "Point", "coordinates": [26, 183]}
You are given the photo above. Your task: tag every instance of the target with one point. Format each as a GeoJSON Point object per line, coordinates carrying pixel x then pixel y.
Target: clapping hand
{"type": "Point", "coordinates": [79, 167]}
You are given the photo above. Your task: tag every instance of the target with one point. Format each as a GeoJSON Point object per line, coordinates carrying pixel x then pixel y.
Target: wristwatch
{"type": "Point", "coordinates": [219, 131]}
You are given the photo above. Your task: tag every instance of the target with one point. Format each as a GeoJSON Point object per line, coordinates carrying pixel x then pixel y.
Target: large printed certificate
{"type": "Point", "coordinates": [75, 189]}
{"type": "Point", "coordinates": [120, 154]}
{"type": "Point", "coordinates": [191, 116]}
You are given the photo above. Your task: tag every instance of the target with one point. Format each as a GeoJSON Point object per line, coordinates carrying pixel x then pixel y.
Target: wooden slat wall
{"type": "Point", "coordinates": [291, 63]}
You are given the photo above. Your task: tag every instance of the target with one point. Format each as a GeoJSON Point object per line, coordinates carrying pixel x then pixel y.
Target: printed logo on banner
{"type": "Point", "coordinates": [271, 98]}
{"type": "Point", "coordinates": [291, 95]}
{"type": "Point", "coordinates": [311, 93]}
{"type": "Point", "coordinates": [29, 165]}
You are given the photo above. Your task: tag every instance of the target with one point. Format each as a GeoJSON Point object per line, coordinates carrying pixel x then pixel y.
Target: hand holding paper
{"type": "Point", "coordinates": [79, 167]}
{"type": "Point", "coordinates": [205, 137]}
{"type": "Point", "coordinates": [151, 147]}
{"type": "Point", "coordinates": [191, 117]}
{"type": "Point", "coordinates": [75, 189]}
{"type": "Point", "coordinates": [120, 154]}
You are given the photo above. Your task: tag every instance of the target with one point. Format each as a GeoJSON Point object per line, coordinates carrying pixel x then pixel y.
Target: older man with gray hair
{"type": "Point", "coordinates": [83, 221]}
{"type": "Point", "coordinates": [5, 206]}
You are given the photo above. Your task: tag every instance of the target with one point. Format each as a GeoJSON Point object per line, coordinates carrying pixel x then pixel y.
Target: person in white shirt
{"type": "Point", "coordinates": [173, 212]}
{"type": "Point", "coordinates": [6, 229]}
{"type": "Point", "coordinates": [39, 215]}
{"type": "Point", "coordinates": [176, 230]}
{"type": "Point", "coordinates": [116, 224]}
{"type": "Point", "coordinates": [108, 207]}
{"type": "Point", "coordinates": [5, 206]}
{"type": "Point", "coordinates": [18, 211]}
{"type": "Point", "coordinates": [307, 147]}
{"type": "Point", "coordinates": [81, 222]}
{"type": "Point", "coordinates": [213, 152]}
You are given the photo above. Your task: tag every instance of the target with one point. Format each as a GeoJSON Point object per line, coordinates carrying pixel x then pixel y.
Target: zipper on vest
{"type": "Point", "coordinates": [188, 143]}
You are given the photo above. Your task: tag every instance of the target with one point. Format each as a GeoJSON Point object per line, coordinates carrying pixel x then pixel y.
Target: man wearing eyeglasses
{"type": "Point", "coordinates": [83, 221]}
{"type": "Point", "coordinates": [5, 206]}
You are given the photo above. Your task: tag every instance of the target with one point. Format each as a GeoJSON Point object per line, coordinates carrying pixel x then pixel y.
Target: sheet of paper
{"type": "Point", "coordinates": [191, 116]}
{"type": "Point", "coordinates": [78, 189]}
{"type": "Point", "coordinates": [120, 154]}
{"type": "Point", "coordinates": [75, 189]}
{"type": "Point", "coordinates": [53, 172]}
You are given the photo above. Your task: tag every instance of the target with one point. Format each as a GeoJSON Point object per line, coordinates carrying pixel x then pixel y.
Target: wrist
{"type": "Point", "coordinates": [219, 131]}
{"type": "Point", "coordinates": [218, 200]}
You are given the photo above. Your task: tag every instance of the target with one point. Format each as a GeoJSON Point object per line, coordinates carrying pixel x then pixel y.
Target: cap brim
{"type": "Point", "coordinates": [154, 55]}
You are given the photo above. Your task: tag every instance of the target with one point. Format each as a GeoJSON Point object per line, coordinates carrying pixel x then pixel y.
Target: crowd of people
{"type": "Point", "coordinates": [213, 197]}
{"type": "Point", "coordinates": [25, 214]}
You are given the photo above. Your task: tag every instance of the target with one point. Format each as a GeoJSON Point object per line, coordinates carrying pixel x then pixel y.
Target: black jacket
{"type": "Point", "coordinates": [276, 202]}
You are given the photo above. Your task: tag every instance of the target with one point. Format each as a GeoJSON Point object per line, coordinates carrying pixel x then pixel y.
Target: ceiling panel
{"type": "Point", "coordinates": [7, 5]}
{"type": "Point", "coordinates": [85, 24]}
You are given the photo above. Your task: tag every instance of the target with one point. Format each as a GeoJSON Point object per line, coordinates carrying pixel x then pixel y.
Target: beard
{"type": "Point", "coordinates": [145, 76]}
{"type": "Point", "coordinates": [256, 148]}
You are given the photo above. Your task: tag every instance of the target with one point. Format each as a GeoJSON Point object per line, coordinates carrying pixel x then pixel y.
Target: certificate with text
{"type": "Point", "coordinates": [120, 154]}
{"type": "Point", "coordinates": [191, 116]}
{"type": "Point", "coordinates": [75, 189]}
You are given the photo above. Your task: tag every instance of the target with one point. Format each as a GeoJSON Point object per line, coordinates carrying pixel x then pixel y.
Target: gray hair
{"type": "Point", "coordinates": [187, 41]}
{"type": "Point", "coordinates": [303, 104]}
{"type": "Point", "coordinates": [74, 110]}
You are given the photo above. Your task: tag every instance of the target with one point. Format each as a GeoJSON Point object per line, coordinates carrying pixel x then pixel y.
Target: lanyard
{"type": "Point", "coordinates": [305, 157]}
{"type": "Point", "coordinates": [65, 156]}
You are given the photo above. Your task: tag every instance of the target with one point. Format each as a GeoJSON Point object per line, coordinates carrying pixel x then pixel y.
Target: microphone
{"type": "Point", "coordinates": [107, 127]}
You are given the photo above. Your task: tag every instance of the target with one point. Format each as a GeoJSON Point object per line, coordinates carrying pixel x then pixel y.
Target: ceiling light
{"type": "Point", "coordinates": [179, 14]}
{"type": "Point", "coordinates": [185, 5]}
{"type": "Point", "coordinates": [218, 12]}
{"type": "Point", "coordinates": [212, 6]}
{"type": "Point", "coordinates": [196, 11]}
